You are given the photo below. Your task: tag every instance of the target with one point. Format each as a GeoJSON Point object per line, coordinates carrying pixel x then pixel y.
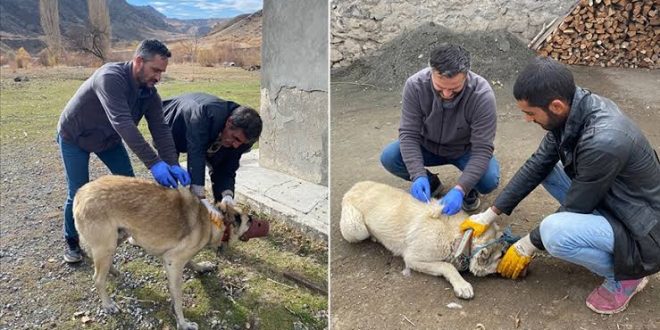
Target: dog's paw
{"type": "Point", "coordinates": [111, 307]}
{"type": "Point", "coordinates": [406, 272]}
{"type": "Point", "coordinates": [464, 290]}
{"type": "Point", "coordinates": [187, 326]}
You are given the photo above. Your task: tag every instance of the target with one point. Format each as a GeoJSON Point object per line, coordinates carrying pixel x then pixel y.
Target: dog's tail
{"type": "Point", "coordinates": [352, 224]}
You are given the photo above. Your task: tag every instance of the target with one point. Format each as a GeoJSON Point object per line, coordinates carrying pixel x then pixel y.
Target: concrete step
{"type": "Point", "coordinates": [296, 202]}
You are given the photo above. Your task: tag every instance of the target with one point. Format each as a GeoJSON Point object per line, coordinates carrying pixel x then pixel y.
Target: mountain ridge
{"type": "Point", "coordinates": [20, 25]}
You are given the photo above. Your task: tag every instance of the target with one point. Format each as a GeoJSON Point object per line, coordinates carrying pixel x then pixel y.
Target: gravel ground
{"type": "Point", "coordinates": [39, 291]}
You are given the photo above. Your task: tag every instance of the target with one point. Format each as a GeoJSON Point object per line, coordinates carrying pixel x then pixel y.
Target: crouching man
{"type": "Point", "coordinates": [597, 163]}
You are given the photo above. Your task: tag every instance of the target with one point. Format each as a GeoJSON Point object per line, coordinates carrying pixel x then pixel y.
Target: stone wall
{"type": "Point", "coordinates": [294, 89]}
{"type": "Point", "coordinates": [359, 27]}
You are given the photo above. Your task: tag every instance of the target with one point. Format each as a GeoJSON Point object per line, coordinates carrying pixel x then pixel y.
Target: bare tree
{"type": "Point", "coordinates": [98, 36]}
{"type": "Point", "coordinates": [50, 23]}
{"type": "Point", "coordinates": [89, 39]}
{"type": "Point", "coordinates": [190, 46]}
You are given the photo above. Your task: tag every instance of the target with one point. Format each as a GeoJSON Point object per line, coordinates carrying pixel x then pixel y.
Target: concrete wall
{"type": "Point", "coordinates": [359, 27]}
{"type": "Point", "coordinates": [294, 89]}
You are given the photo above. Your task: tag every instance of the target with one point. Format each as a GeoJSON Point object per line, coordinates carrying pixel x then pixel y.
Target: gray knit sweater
{"type": "Point", "coordinates": [106, 110]}
{"type": "Point", "coordinates": [469, 127]}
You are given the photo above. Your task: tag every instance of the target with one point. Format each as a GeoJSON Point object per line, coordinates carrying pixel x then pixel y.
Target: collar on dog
{"type": "Point", "coordinates": [506, 237]}
{"type": "Point", "coordinates": [225, 236]}
{"type": "Point", "coordinates": [462, 261]}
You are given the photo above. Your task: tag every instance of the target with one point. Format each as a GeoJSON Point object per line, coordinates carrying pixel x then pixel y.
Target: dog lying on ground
{"type": "Point", "coordinates": [171, 223]}
{"type": "Point", "coordinates": [425, 238]}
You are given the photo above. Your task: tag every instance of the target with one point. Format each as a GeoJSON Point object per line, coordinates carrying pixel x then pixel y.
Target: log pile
{"type": "Point", "coordinates": [621, 33]}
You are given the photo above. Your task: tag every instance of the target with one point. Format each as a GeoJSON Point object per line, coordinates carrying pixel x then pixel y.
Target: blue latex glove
{"type": "Point", "coordinates": [180, 175]}
{"type": "Point", "coordinates": [421, 189]}
{"type": "Point", "coordinates": [161, 172]}
{"type": "Point", "coordinates": [452, 201]}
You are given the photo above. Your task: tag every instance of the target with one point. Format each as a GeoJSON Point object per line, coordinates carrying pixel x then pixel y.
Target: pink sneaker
{"type": "Point", "coordinates": [610, 298]}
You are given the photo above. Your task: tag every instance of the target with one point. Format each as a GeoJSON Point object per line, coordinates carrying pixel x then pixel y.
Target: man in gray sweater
{"type": "Point", "coordinates": [106, 110]}
{"type": "Point", "coordinates": [448, 117]}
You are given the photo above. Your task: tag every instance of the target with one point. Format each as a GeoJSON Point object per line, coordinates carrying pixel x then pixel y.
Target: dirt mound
{"type": "Point", "coordinates": [495, 55]}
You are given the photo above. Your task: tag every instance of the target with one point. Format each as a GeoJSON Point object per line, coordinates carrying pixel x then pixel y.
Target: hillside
{"type": "Point", "coordinates": [20, 25]}
{"type": "Point", "coordinates": [243, 29]}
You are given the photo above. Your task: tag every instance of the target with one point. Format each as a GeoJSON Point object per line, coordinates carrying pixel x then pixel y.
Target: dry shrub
{"type": "Point", "coordinates": [8, 58]}
{"type": "Point", "coordinates": [225, 51]}
{"type": "Point", "coordinates": [228, 52]}
{"type": "Point", "coordinates": [247, 57]}
{"type": "Point", "coordinates": [47, 57]}
{"type": "Point", "coordinates": [180, 54]}
{"type": "Point", "coordinates": [206, 57]}
{"type": "Point", "coordinates": [23, 58]}
{"type": "Point", "coordinates": [120, 55]}
{"type": "Point", "coordinates": [80, 59]}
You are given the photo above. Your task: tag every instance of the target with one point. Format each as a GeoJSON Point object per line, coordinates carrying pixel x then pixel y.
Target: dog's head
{"type": "Point", "coordinates": [487, 249]}
{"type": "Point", "coordinates": [236, 225]}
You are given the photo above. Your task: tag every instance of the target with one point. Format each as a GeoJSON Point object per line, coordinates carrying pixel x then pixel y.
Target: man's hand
{"type": "Point", "coordinates": [452, 201]}
{"type": "Point", "coordinates": [180, 175]}
{"type": "Point", "coordinates": [161, 172]}
{"type": "Point", "coordinates": [211, 208]}
{"type": "Point", "coordinates": [517, 258]}
{"type": "Point", "coordinates": [421, 189]}
{"type": "Point", "coordinates": [228, 200]}
{"type": "Point", "coordinates": [479, 223]}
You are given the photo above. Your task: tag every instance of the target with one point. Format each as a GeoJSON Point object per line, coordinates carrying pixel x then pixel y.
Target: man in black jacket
{"type": "Point", "coordinates": [213, 132]}
{"type": "Point", "coordinates": [597, 163]}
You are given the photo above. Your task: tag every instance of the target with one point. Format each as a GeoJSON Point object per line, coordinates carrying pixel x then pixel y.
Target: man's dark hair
{"type": "Point", "coordinates": [248, 120]}
{"type": "Point", "coordinates": [149, 48]}
{"type": "Point", "coordinates": [542, 81]}
{"type": "Point", "coordinates": [449, 60]}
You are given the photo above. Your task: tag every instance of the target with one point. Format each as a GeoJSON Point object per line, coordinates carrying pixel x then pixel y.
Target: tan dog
{"type": "Point", "coordinates": [169, 223]}
{"type": "Point", "coordinates": [418, 232]}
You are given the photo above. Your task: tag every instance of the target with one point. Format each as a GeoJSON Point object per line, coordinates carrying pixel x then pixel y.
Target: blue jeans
{"type": "Point", "coordinates": [583, 239]}
{"type": "Point", "coordinates": [76, 168]}
{"type": "Point", "coordinates": [393, 162]}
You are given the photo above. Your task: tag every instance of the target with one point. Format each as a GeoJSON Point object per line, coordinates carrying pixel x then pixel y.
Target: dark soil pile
{"type": "Point", "coordinates": [495, 55]}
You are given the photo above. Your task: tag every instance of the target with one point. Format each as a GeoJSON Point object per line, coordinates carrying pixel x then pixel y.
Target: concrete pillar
{"type": "Point", "coordinates": [294, 89]}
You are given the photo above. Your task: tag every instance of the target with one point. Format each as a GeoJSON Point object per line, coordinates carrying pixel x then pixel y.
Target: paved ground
{"type": "Point", "coordinates": [367, 288]}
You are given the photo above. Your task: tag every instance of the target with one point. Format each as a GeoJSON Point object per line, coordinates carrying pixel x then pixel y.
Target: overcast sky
{"type": "Point", "coordinates": [187, 9]}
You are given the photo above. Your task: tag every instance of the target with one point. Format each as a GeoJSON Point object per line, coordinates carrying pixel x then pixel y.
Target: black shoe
{"type": "Point", "coordinates": [73, 253]}
{"type": "Point", "coordinates": [471, 202]}
{"type": "Point", "coordinates": [436, 185]}
{"type": "Point", "coordinates": [72, 256]}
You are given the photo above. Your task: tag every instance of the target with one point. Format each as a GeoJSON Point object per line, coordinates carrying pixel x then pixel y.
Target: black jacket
{"type": "Point", "coordinates": [196, 120]}
{"type": "Point", "coordinates": [613, 170]}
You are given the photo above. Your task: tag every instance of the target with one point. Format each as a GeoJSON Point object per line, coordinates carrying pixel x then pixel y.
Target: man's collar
{"type": "Point", "coordinates": [574, 122]}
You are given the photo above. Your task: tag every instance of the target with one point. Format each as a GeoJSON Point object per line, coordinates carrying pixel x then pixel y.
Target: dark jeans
{"type": "Point", "coordinates": [76, 168]}
{"type": "Point", "coordinates": [393, 162]}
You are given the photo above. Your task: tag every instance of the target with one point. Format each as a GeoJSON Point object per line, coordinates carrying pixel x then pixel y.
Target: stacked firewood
{"type": "Point", "coordinates": [622, 33]}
